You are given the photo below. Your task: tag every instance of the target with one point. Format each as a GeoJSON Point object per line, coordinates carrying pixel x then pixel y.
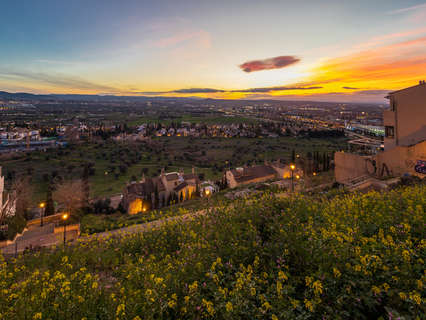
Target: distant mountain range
{"type": "Point", "coordinates": [93, 97]}
{"type": "Point", "coordinates": [85, 97]}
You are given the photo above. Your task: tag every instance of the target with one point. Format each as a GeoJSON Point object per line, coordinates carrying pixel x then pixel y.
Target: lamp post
{"type": "Point", "coordinates": [207, 192]}
{"type": "Point", "coordinates": [42, 206]}
{"type": "Point", "coordinates": [64, 218]}
{"type": "Point", "coordinates": [292, 167]}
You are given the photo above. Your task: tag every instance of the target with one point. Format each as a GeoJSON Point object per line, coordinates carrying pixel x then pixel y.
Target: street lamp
{"type": "Point", "coordinates": [65, 217]}
{"type": "Point", "coordinates": [207, 192]}
{"type": "Point", "coordinates": [42, 206]}
{"type": "Point", "coordinates": [292, 167]}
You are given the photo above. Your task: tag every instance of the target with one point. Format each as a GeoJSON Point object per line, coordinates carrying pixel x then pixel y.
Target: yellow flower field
{"type": "Point", "coordinates": [356, 256]}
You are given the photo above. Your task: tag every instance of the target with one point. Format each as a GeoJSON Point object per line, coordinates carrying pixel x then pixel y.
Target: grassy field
{"type": "Point", "coordinates": [347, 256]}
{"type": "Point", "coordinates": [207, 119]}
{"type": "Point", "coordinates": [208, 156]}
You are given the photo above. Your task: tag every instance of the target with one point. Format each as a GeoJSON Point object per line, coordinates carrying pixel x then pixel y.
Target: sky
{"type": "Point", "coordinates": [340, 50]}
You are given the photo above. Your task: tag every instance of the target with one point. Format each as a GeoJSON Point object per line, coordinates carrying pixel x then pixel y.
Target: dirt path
{"type": "Point", "coordinates": [140, 228]}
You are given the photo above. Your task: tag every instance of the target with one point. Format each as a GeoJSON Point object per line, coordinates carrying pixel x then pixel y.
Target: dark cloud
{"type": "Point", "coordinates": [269, 89]}
{"type": "Point", "coordinates": [189, 90]}
{"type": "Point", "coordinates": [268, 64]}
{"type": "Point", "coordinates": [350, 88]}
{"type": "Point", "coordinates": [211, 90]}
{"type": "Point", "coordinates": [198, 90]}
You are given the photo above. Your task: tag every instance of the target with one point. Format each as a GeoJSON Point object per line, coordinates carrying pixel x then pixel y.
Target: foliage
{"type": "Point", "coordinates": [353, 256]}
{"type": "Point", "coordinates": [70, 194]}
{"type": "Point", "coordinates": [15, 225]}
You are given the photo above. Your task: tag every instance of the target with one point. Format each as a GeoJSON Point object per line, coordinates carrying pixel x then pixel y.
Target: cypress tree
{"type": "Point", "coordinates": [86, 187]}
{"type": "Point", "coordinates": [156, 198]}
{"type": "Point", "coordinates": [50, 206]}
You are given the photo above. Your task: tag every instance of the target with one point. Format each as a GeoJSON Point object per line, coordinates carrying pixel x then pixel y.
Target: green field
{"type": "Point", "coordinates": [210, 156]}
{"type": "Point", "coordinates": [207, 119]}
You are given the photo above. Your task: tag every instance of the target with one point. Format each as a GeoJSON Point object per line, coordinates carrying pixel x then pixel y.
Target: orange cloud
{"type": "Point", "coordinates": [391, 66]}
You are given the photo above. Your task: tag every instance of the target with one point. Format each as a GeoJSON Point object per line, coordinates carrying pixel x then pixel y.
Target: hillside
{"type": "Point", "coordinates": [357, 256]}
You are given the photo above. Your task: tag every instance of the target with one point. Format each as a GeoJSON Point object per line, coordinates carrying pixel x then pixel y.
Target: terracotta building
{"type": "Point", "coordinates": [261, 173]}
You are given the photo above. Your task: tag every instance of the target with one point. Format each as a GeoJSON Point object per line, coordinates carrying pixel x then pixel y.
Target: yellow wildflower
{"type": "Point", "coordinates": [171, 303]}
{"type": "Point", "coordinates": [336, 273]}
{"type": "Point", "coordinates": [266, 305]}
{"type": "Point", "coordinates": [376, 290]}
{"type": "Point", "coordinates": [279, 287]}
{"type": "Point", "coordinates": [294, 303]}
{"type": "Point", "coordinates": [38, 315]}
{"type": "Point", "coordinates": [415, 297]}
{"type": "Point", "coordinates": [309, 305]}
{"type": "Point", "coordinates": [282, 276]}
{"type": "Point", "coordinates": [317, 286]}
{"type": "Point", "coordinates": [120, 309]}
{"type": "Point", "coordinates": [406, 255]}
{"type": "Point", "coordinates": [229, 307]}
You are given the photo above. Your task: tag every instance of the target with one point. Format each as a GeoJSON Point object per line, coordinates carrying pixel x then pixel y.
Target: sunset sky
{"type": "Point", "coordinates": [291, 50]}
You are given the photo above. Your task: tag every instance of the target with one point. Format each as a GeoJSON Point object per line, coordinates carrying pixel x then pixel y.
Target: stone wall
{"type": "Point", "coordinates": [349, 166]}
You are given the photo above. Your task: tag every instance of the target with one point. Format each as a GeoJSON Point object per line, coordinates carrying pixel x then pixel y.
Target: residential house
{"type": "Point", "coordinates": [247, 175]}
{"type": "Point", "coordinates": [158, 191]}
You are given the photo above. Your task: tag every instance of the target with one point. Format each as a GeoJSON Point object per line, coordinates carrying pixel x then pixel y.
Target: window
{"type": "Point", "coordinates": [389, 132]}
{"type": "Point", "coordinates": [393, 104]}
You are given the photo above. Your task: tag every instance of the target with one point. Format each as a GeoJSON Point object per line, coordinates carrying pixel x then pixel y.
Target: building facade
{"type": "Point", "coordinates": [159, 191]}
{"type": "Point", "coordinates": [261, 173]}
{"type": "Point", "coordinates": [405, 120]}
{"type": "Point", "coordinates": [404, 142]}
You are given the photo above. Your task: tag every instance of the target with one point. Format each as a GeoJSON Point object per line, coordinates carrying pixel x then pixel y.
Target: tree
{"type": "Point", "coordinates": [85, 185]}
{"type": "Point", "coordinates": [156, 198]}
{"type": "Point", "coordinates": [70, 194]}
{"type": "Point", "coordinates": [50, 206]}
{"type": "Point", "coordinates": [324, 162]}
{"type": "Point", "coordinates": [197, 190]}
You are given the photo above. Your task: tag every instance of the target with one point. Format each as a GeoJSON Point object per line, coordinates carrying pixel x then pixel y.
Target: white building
{"type": "Point", "coordinates": [7, 203]}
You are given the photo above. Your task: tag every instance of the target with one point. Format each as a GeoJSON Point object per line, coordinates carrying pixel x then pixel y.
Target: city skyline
{"type": "Point", "coordinates": [328, 51]}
